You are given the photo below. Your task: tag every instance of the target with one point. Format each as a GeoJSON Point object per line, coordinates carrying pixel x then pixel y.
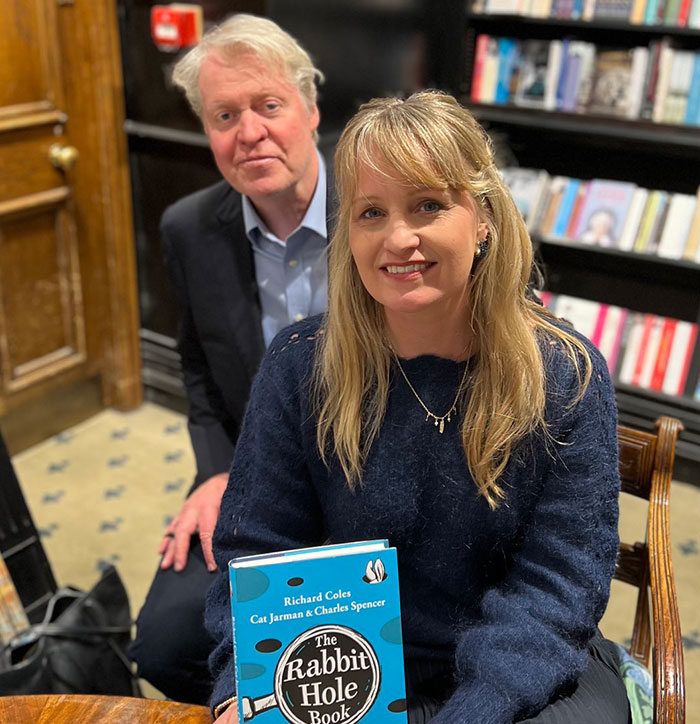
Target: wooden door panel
{"type": "Point", "coordinates": [41, 311]}
{"type": "Point", "coordinates": [32, 84]}
{"type": "Point", "coordinates": [26, 168]}
{"type": "Point", "coordinates": [68, 304]}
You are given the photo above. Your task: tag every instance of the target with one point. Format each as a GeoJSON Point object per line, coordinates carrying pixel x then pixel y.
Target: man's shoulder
{"type": "Point", "coordinates": [202, 207]}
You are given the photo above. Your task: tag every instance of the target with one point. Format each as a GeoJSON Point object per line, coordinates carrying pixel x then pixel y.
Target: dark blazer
{"type": "Point", "coordinates": [210, 261]}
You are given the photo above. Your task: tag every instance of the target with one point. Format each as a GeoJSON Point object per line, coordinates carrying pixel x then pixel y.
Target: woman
{"type": "Point", "coordinates": [436, 406]}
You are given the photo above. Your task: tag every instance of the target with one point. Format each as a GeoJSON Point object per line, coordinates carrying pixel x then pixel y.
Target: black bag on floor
{"type": "Point", "coordinates": [79, 648]}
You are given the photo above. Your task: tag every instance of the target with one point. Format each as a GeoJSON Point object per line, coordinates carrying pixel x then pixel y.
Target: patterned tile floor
{"type": "Point", "coordinates": [103, 491]}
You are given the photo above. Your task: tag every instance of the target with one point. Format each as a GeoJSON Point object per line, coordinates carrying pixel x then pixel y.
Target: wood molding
{"type": "Point", "coordinates": [91, 50]}
{"type": "Point", "coordinates": [33, 202]}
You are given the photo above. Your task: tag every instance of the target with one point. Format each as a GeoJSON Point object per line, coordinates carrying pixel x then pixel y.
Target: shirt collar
{"type": "Point", "coordinates": [314, 219]}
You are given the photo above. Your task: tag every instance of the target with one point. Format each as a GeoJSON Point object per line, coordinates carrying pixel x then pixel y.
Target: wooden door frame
{"type": "Point", "coordinates": [91, 53]}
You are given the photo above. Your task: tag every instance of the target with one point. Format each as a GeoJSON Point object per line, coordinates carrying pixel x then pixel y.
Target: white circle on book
{"type": "Point", "coordinates": [328, 675]}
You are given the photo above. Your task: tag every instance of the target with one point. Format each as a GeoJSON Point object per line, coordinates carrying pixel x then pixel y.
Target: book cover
{"type": "Point", "coordinates": [692, 106]}
{"type": "Point", "coordinates": [561, 79]}
{"type": "Point", "coordinates": [678, 90]}
{"type": "Point", "coordinates": [657, 225]}
{"type": "Point", "coordinates": [554, 67]}
{"type": "Point", "coordinates": [663, 81]}
{"type": "Point", "coordinates": [587, 52]}
{"type": "Point", "coordinates": [600, 324]}
{"type": "Point", "coordinates": [637, 12]}
{"type": "Point", "coordinates": [632, 220]}
{"type": "Point", "coordinates": [572, 75]}
{"type": "Point", "coordinates": [645, 336]}
{"type": "Point", "coordinates": [612, 77]}
{"type": "Point", "coordinates": [566, 208]}
{"type": "Point", "coordinates": [548, 299]}
{"type": "Point", "coordinates": [617, 365]}
{"type": "Point", "coordinates": [604, 211]}
{"type": "Point", "coordinates": [694, 14]}
{"type": "Point", "coordinates": [613, 9]}
{"type": "Point", "coordinates": [675, 231]}
{"type": "Point", "coordinates": [317, 635]}
{"type": "Point", "coordinates": [691, 252]}
{"type": "Point", "coordinates": [640, 60]}
{"type": "Point", "coordinates": [489, 76]}
{"type": "Point", "coordinates": [480, 51]}
{"type": "Point", "coordinates": [530, 89]}
{"type": "Point", "coordinates": [527, 187]}
{"type": "Point", "coordinates": [651, 77]}
{"type": "Point", "coordinates": [646, 223]}
{"type": "Point", "coordinates": [667, 332]}
{"type": "Point", "coordinates": [611, 335]}
{"type": "Point", "coordinates": [651, 353]}
{"type": "Point", "coordinates": [575, 218]}
{"type": "Point", "coordinates": [507, 58]}
{"type": "Point", "coordinates": [550, 207]}
{"type": "Point", "coordinates": [679, 358]}
{"type": "Point", "coordinates": [632, 344]}
{"type": "Point", "coordinates": [582, 314]}
{"type": "Point", "coordinates": [683, 13]}
{"type": "Point", "coordinates": [671, 11]}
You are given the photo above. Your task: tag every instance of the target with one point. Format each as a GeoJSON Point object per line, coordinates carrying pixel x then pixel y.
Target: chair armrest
{"type": "Point", "coordinates": [669, 687]}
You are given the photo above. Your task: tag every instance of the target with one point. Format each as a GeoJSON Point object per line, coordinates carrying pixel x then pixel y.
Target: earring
{"type": "Point", "coordinates": [481, 247]}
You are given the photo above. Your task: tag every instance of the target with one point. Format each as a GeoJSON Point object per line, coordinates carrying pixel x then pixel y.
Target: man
{"type": "Point", "coordinates": [247, 256]}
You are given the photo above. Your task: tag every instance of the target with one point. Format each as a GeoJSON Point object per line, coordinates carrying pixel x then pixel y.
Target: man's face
{"type": "Point", "coordinates": [259, 127]}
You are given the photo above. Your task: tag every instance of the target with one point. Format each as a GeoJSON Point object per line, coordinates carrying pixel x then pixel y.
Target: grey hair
{"type": "Point", "coordinates": [241, 33]}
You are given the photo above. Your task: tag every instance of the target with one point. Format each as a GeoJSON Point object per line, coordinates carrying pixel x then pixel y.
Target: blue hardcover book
{"type": "Point", "coordinates": [317, 635]}
{"type": "Point", "coordinates": [507, 51]}
{"type": "Point", "coordinates": [692, 109]}
{"type": "Point", "coordinates": [650, 12]}
{"type": "Point", "coordinates": [565, 208]}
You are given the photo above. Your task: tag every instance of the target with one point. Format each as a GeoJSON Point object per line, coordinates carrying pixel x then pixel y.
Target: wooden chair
{"type": "Point", "coordinates": [646, 467]}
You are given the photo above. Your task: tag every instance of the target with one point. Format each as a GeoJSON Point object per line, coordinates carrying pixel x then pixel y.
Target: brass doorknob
{"type": "Point", "coordinates": [63, 157]}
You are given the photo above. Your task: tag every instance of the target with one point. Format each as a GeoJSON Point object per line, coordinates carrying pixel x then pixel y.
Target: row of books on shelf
{"type": "Point", "coordinates": [657, 82]}
{"type": "Point", "coordinates": [642, 350]}
{"type": "Point", "coordinates": [676, 13]}
{"type": "Point", "coordinates": [606, 213]}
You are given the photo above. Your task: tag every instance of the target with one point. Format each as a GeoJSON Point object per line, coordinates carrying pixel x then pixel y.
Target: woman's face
{"type": "Point", "coordinates": [413, 247]}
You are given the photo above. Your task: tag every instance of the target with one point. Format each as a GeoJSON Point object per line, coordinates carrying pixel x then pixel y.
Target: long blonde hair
{"type": "Point", "coordinates": [431, 141]}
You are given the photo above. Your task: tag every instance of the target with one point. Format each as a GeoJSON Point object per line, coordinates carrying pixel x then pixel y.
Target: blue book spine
{"type": "Point", "coordinates": [317, 640]}
{"type": "Point", "coordinates": [561, 82]}
{"type": "Point", "coordinates": [692, 109]}
{"type": "Point", "coordinates": [650, 12]}
{"type": "Point", "coordinates": [506, 61]}
{"type": "Point", "coordinates": [565, 208]}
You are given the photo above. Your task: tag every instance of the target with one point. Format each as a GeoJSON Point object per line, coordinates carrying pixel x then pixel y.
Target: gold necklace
{"type": "Point", "coordinates": [439, 419]}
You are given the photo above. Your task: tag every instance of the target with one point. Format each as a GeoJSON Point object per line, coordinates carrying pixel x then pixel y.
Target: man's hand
{"type": "Point", "coordinates": [198, 514]}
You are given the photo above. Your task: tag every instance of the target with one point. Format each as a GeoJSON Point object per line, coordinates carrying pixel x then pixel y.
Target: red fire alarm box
{"type": "Point", "coordinates": [176, 26]}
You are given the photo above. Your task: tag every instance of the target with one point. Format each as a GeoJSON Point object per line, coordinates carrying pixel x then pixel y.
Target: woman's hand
{"type": "Point", "coordinates": [228, 716]}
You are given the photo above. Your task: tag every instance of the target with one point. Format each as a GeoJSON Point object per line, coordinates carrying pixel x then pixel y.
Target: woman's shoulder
{"type": "Point", "coordinates": [298, 339]}
{"type": "Point", "coordinates": [560, 365]}
{"type": "Point", "coordinates": [291, 353]}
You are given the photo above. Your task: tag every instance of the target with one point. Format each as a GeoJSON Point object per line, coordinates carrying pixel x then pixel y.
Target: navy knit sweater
{"type": "Point", "coordinates": [510, 596]}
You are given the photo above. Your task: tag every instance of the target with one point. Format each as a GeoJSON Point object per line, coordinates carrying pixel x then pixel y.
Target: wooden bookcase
{"type": "Point", "coordinates": [652, 155]}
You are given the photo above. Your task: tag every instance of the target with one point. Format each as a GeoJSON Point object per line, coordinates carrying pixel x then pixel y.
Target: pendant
{"type": "Point", "coordinates": [442, 425]}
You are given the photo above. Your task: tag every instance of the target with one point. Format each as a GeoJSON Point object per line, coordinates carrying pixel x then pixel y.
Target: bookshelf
{"type": "Point", "coordinates": [579, 144]}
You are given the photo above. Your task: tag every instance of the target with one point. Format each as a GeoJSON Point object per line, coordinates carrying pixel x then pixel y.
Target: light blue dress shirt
{"type": "Point", "coordinates": [292, 276]}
